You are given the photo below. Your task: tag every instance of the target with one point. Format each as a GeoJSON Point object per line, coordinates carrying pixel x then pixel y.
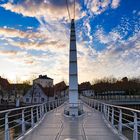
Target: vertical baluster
{"type": "Point", "coordinates": [7, 134]}
{"type": "Point", "coordinates": [45, 105]}
{"type": "Point", "coordinates": [135, 132]}
{"type": "Point", "coordinates": [56, 103]}
{"type": "Point", "coordinates": [32, 117]}
{"type": "Point", "coordinates": [40, 111]}
{"type": "Point", "coordinates": [120, 120]}
{"type": "Point", "coordinates": [101, 107]}
{"type": "Point", "coordinates": [112, 117]}
{"type": "Point", "coordinates": [98, 106]}
{"type": "Point", "coordinates": [23, 122]}
{"type": "Point", "coordinates": [53, 104]}
{"type": "Point", "coordinates": [104, 109]}
{"type": "Point", "coordinates": [59, 101]}
{"type": "Point", "coordinates": [108, 112]}
{"type": "Point", "coordinates": [49, 106]}
{"type": "Point", "coordinates": [37, 115]}
{"type": "Point", "coordinates": [94, 105]}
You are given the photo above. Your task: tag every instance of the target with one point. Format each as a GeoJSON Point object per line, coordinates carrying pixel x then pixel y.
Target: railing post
{"type": "Point", "coordinates": [101, 107]}
{"type": "Point", "coordinates": [49, 106]}
{"type": "Point", "coordinates": [135, 132]}
{"type": "Point", "coordinates": [32, 117]}
{"type": "Point", "coordinates": [108, 112]}
{"type": "Point", "coordinates": [120, 120]}
{"type": "Point", "coordinates": [40, 111]}
{"type": "Point", "coordinates": [23, 122]}
{"type": "Point", "coordinates": [7, 134]}
{"type": "Point", "coordinates": [112, 117]}
{"type": "Point", "coordinates": [53, 104]}
{"type": "Point", "coordinates": [94, 105]}
{"type": "Point", "coordinates": [104, 109]}
{"type": "Point", "coordinates": [98, 106]}
{"type": "Point", "coordinates": [56, 103]}
{"type": "Point", "coordinates": [89, 102]}
{"type": "Point", "coordinates": [37, 115]}
{"type": "Point", "coordinates": [45, 108]}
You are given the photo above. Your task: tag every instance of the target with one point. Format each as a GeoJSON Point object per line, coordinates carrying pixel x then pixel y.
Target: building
{"type": "Point", "coordinates": [39, 94]}
{"type": "Point", "coordinates": [4, 90]}
{"type": "Point", "coordinates": [35, 95]}
{"type": "Point", "coordinates": [44, 81]}
{"type": "Point", "coordinates": [60, 90]}
{"type": "Point", "coordinates": [85, 89]}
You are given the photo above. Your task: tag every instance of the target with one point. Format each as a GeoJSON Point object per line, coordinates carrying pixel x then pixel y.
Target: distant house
{"type": "Point", "coordinates": [85, 89]}
{"type": "Point", "coordinates": [44, 81]}
{"type": "Point", "coordinates": [60, 89]}
{"type": "Point", "coordinates": [4, 89]}
{"type": "Point", "coordinates": [39, 94]}
{"type": "Point", "coordinates": [35, 95]}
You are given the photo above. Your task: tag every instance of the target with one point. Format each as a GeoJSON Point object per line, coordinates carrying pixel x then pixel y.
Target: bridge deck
{"type": "Point", "coordinates": [55, 126]}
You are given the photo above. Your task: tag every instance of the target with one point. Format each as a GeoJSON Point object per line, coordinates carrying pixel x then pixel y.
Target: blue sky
{"type": "Point", "coordinates": [34, 39]}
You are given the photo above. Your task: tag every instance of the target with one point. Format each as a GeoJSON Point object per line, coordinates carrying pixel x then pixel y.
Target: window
{"type": "Point", "coordinates": [42, 99]}
{"type": "Point", "coordinates": [27, 100]}
{"type": "Point", "coordinates": [35, 100]}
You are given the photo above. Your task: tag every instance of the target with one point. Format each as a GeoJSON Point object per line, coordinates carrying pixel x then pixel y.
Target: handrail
{"type": "Point", "coordinates": [118, 117]}
{"type": "Point", "coordinates": [12, 119]}
{"type": "Point", "coordinates": [25, 107]}
{"type": "Point", "coordinates": [120, 107]}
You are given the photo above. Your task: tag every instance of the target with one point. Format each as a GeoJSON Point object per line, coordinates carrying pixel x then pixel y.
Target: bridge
{"type": "Point", "coordinates": [100, 121]}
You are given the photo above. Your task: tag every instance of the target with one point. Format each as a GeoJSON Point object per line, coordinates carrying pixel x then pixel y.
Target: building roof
{"type": "Point", "coordinates": [4, 83]}
{"type": "Point", "coordinates": [85, 86]}
{"type": "Point", "coordinates": [60, 86]}
{"type": "Point", "coordinates": [49, 91]}
{"type": "Point", "coordinates": [56, 89]}
{"type": "Point", "coordinates": [43, 77]}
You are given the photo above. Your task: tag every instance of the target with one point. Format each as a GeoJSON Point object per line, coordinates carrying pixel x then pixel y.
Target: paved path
{"type": "Point", "coordinates": [57, 127]}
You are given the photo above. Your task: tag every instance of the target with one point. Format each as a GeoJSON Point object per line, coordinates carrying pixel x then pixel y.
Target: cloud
{"type": "Point", "coordinates": [97, 7]}
{"type": "Point", "coordinates": [115, 4]}
{"type": "Point", "coordinates": [45, 11]}
{"type": "Point", "coordinates": [46, 50]}
{"type": "Point", "coordinates": [8, 53]}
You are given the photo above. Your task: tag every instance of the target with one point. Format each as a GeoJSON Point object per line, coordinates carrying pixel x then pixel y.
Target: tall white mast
{"type": "Point", "coordinates": [73, 76]}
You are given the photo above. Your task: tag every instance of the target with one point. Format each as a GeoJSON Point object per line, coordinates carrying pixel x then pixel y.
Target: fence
{"type": "Point", "coordinates": [14, 123]}
{"type": "Point", "coordinates": [125, 120]}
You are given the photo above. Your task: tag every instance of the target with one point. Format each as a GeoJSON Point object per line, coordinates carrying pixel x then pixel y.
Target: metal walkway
{"type": "Point", "coordinates": [56, 126]}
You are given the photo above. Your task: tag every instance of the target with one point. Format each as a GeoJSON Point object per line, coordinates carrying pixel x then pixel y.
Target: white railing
{"type": "Point", "coordinates": [125, 120]}
{"type": "Point", "coordinates": [14, 123]}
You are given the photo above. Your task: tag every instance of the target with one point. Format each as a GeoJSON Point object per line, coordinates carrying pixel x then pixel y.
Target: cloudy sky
{"type": "Point", "coordinates": [34, 38]}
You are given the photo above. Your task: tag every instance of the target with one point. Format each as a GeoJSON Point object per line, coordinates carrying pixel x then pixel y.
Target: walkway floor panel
{"type": "Point", "coordinates": [56, 126]}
